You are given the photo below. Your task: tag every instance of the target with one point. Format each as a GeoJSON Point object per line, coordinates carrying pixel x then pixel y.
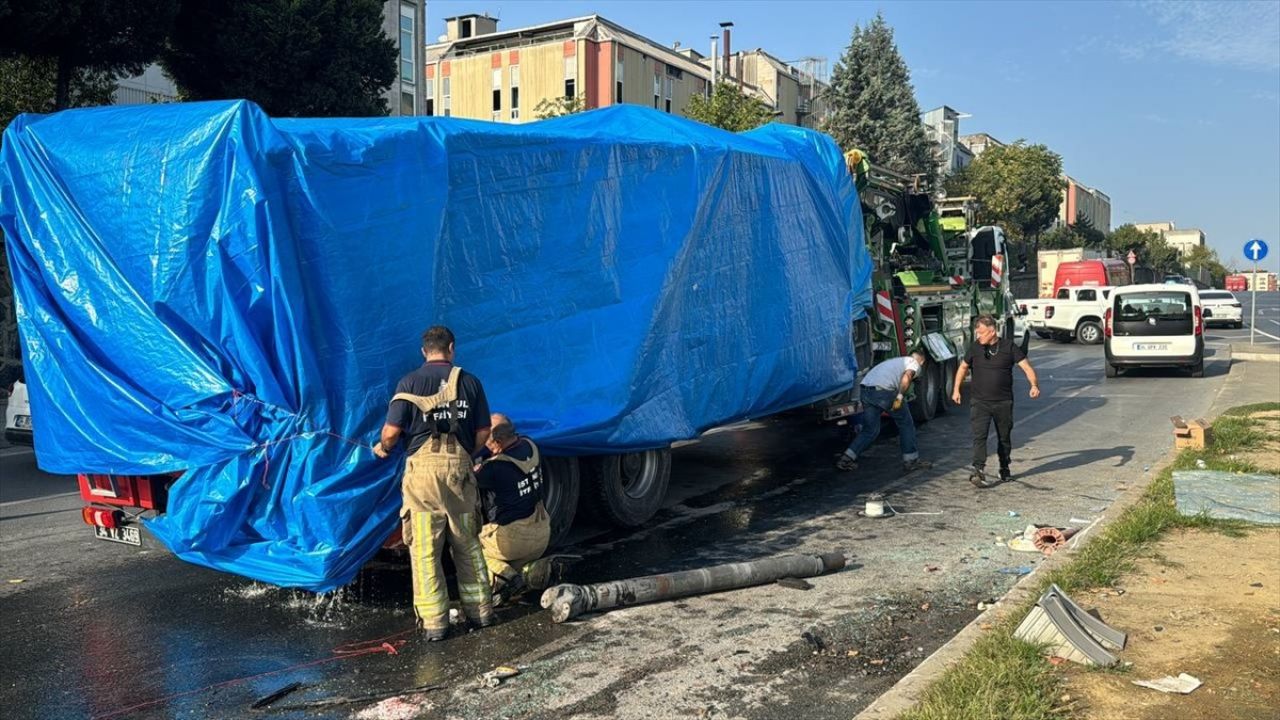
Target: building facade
{"type": "Point", "coordinates": [942, 125]}
{"type": "Point", "coordinates": [1079, 200]}
{"type": "Point", "coordinates": [1264, 281]}
{"type": "Point", "coordinates": [794, 94]}
{"type": "Point", "coordinates": [1184, 240]}
{"type": "Point", "coordinates": [405, 22]}
{"type": "Point", "coordinates": [151, 86]}
{"type": "Point", "coordinates": [978, 143]}
{"type": "Point", "coordinates": [1159, 228]}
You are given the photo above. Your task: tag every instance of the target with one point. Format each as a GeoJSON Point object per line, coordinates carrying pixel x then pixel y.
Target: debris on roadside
{"type": "Point", "coordinates": [496, 676]}
{"type": "Point", "coordinates": [1227, 496]}
{"type": "Point", "coordinates": [1195, 434]}
{"type": "Point", "coordinates": [1019, 570]}
{"type": "Point", "coordinates": [1184, 684]}
{"type": "Point", "coordinates": [266, 700]}
{"type": "Point", "coordinates": [1042, 539]}
{"type": "Point", "coordinates": [814, 641]}
{"type": "Point", "coordinates": [1064, 629]}
{"type": "Point", "coordinates": [794, 583]}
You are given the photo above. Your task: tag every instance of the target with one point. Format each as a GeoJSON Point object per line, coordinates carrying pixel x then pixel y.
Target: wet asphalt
{"type": "Point", "coordinates": [97, 630]}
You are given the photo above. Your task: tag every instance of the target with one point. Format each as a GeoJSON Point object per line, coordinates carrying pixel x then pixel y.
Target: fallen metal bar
{"type": "Point", "coordinates": [569, 601]}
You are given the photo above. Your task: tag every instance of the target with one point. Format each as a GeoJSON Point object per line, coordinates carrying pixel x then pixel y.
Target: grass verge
{"type": "Point", "coordinates": [1003, 677]}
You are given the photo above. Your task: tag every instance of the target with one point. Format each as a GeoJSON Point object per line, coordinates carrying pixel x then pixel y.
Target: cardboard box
{"type": "Point", "coordinates": [1197, 434]}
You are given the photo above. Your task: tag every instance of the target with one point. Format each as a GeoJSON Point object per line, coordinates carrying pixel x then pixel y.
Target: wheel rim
{"type": "Point", "coordinates": [1089, 333]}
{"type": "Point", "coordinates": [639, 472]}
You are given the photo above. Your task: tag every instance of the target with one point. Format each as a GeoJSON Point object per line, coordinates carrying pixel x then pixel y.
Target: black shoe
{"type": "Point", "coordinates": [1005, 475]}
{"type": "Point", "coordinates": [484, 622]}
{"type": "Point", "coordinates": [910, 466]}
{"type": "Point", "coordinates": [431, 635]}
{"type": "Point", "coordinates": [846, 463]}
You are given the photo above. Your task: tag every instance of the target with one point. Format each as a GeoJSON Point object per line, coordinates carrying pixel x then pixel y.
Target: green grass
{"type": "Point", "coordinates": [1003, 677]}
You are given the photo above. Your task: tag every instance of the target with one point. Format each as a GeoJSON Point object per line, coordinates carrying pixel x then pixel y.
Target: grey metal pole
{"type": "Point", "coordinates": [569, 601]}
{"type": "Point", "coordinates": [1253, 311]}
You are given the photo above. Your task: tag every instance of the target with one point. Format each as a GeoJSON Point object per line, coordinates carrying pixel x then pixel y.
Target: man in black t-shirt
{"type": "Point", "coordinates": [992, 359]}
{"type": "Point", "coordinates": [444, 416]}
{"type": "Point", "coordinates": [517, 528]}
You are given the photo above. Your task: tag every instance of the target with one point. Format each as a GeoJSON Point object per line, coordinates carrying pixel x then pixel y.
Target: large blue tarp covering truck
{"type": "Point", "coordinates": [206, 290]}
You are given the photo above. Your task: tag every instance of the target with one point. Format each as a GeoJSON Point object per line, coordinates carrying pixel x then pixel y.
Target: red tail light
{"type": "Point", "coordinates": [101, 517]}
{"type": "Point", "coordinates": [1048, 312]}
{"type": "Point", "coordinates": [1106, 323]}
{"type": "Point", "coordinates": [1199, 321]}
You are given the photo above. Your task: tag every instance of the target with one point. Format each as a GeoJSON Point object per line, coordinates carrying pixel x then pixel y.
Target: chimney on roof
{"type": "Point", "coordinates": [715, 58]}
{"type": "Point", "coordinates": [727, 52]}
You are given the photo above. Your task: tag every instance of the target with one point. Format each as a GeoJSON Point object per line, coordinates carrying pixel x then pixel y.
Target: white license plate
{"type": "Point", "coordinates": [22, 422]}
{"type": "Point", "coordinates": [1152, 347]}
{"type": "Point", "coordinates": [129, 535]}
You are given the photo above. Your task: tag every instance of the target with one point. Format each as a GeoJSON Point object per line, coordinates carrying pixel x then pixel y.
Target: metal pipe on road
{"type": "Point", "coordinates": [569, 601]}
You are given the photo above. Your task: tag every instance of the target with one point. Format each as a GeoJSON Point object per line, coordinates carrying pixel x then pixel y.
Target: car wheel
{"type": "Point", "coordinates": [1111, 370]}
{"type": "Point", "coordinates": [561, 485]}
{"type": "Point", "coordinates": [1197, 370]}
{"type": "Point", "coordinates": [626, 490]}
{"type": "Point", "coordinates": [1089, 332]}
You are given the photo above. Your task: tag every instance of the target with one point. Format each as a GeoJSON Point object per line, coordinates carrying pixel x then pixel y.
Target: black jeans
{"type": "Point", "coordinates": [981, 413]}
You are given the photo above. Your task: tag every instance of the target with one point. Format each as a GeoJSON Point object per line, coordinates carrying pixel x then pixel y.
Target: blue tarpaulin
{"type": "Point", "coordinates": [203, 289]}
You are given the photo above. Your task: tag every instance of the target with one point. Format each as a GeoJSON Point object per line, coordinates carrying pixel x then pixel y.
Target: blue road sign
{"type": "Point", "coordinates": [1255, 250]}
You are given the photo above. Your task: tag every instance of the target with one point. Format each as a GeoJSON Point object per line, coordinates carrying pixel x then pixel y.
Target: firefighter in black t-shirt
{"type": "Point", "coordinates": [517, 528]}
{"type": "Point", "coordinates": [992, 359]}
{"type": "Point", "coordinates": [444, 416]}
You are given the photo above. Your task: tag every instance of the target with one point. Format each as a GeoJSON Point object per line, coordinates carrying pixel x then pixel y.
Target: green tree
{"type": "Point", "coordinates": [295, 58]}
{"type": "Point", "coordinates": [873, 105]}
{"type": "Point", "coordinates": [1058, 238]}
{"type": "Point", "coordinates": [1018, 187]}
{"type": "Point", "coordinates": [29, 85]}
{"type": "Point", "coordinates": [558, 106]}
{"type": "Point", "coordinates": [1151, 249]}
{"type": "Point", "coordinates": [728, 108]}
{"type": "Point", "coordinates": [1086, 235]}
{"type": "Point", "coordinates": [85, 39]}
{"type": "Point", "coordinates": [1202, 258]}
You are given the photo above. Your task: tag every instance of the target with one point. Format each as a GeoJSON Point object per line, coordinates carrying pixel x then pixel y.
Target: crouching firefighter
{"type": "Point", "coordinates": [517, 528]}
{"type": "Point", "coordinates": [443, 414]}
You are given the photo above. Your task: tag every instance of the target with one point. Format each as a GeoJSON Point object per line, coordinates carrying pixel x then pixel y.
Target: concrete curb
{"type": "Point", "coordinates": [1264, 357]}
{"type": "Point", "coordinates": [907, 692]}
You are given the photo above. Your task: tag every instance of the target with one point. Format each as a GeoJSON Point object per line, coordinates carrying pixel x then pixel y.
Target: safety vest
{"type": "Point", "coordinates": [446, 399]}
{"type": "Point", "coordinates": [528, 468]}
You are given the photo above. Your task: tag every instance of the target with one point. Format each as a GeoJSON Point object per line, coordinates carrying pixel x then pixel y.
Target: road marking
{"type": "Point", "coordinates": [11, 503]}
{"type": "Point", "coordinates": [15, 451]}
{"type": "Point", "coordinates": [1263, 332]}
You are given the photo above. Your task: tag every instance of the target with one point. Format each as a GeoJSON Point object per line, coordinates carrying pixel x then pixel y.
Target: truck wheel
{"type": "Point", "coordinates": [561, 482]}
{"type": "Point", "coordinates": [1089, 332]}
{"type": "Point", "coordinates": [928, 386]}
{"type": "Point", "coordinates": [626, 490]}
{"type": "Point", "coordinates": [1111, 370]}
{"type": "Point", "coordinates": [948, 384]}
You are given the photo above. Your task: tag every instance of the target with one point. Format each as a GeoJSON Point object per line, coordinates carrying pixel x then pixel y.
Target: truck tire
{"type": "Point", "coordinates": [1089, 332]}
{"type": "Point", "coordinates": [948, 384]}
{"type": "Point", "coordinates": [561, 479]}
{"type": "Point", "coordinates": [626, 490]}
{"type": "Point", "coordinates": [928, 387]}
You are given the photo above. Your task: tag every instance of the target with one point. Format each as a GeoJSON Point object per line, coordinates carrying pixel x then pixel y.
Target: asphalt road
{"type": "Point", "coordinates": [93, 629]}
{"type": "Point", "coordinates": [1266, 324]}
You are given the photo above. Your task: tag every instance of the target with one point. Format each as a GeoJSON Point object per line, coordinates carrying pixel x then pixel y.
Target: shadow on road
{"type": "Point", "coordinates": [1079, 458]}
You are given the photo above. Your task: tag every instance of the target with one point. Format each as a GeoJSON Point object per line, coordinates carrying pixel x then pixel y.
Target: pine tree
{"type": "Point", "coordinates": [874, 106]}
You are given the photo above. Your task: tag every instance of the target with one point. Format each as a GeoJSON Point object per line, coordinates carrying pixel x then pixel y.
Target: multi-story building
{"type": "Point", "coordinates": [150, 86]}
{"type": "Point", "coordinates": [1159, 228]}
{"type": "Point", "coordinates": [1079, 200]}
{"type": "Point", "coordinates": [405, 22]}
{"type": "Point", "coordinates": [978, 143]}
{"type": "Point", "coordinates": [1184, 240]}
{"type": "Point", "coordinates": [942, 125]}
{"type": "Point", "coordinates": [1263, 280]}
{"type": "Point", "coordinates": [795, 94]}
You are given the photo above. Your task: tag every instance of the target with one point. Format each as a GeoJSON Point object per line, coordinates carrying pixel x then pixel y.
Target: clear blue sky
{"type": "Point", "coordinates": [1172, 109]}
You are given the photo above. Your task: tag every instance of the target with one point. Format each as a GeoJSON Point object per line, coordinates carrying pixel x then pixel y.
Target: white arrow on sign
{"type": "Point", "coordinates": [1255, 250]}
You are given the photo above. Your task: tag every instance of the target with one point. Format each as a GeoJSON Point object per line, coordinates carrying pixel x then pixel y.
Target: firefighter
{"type": "Point", "coordinates": [517, 528]}
{"type": "Point", "coordinates": [442, 413]}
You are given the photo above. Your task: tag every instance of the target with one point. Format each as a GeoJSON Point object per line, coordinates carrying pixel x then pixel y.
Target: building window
{"type": "Point", "coordinates": [407, 70]}
{"type": "Point", "coordinates": [618, 73]}
{"type": "Point", "coordinates": [445, 101]}
{"type": "Point", "coordinates": [465, 32]}
{"type": "Point", "coordinates": [570, 77]}
{"type": "Point", "coordinates": [669, 82]}
{"type": "Point", "coordinates": [657, 89]}
{"type": "Point", "coordinates": [406, 104]}
{"type": "Point", "coordinates": [430, 92]}
{"type": "Point", "coordinates": [431, 106]}
{"type": "Point", "coordinates": [515, 92]}
{"type": "Point", "coordinates": [497, 92]}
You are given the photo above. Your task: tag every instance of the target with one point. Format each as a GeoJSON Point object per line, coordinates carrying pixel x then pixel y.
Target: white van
{"type": "Point", "coordinates": [1155, 326]}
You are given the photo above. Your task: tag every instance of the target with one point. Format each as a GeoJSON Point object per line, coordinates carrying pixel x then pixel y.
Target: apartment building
{"type": "Point", "coordinates": [1181, 240]}
{"type": "Point", "coordinates": [405, 22]}
{"type": "Point", "coordinates": [794, 93]}
{"type": "Point", "coordinates": [942, 125]}
{"type": "Point", "coordinates": [1080, 200]}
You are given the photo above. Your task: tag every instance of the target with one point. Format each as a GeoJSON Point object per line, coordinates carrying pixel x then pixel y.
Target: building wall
{"type": "Point", "coordinates": [1184, 240]}
{"type": "Point", "coordinates": [406, 95]}
{"type": "Point", "coordinates": [1265, 281]}
{"type": "Point", "coordinates": [151, 86]}
{"type": "Point", "coordinates": [1079, 199]}
{"type": "Point", "coordinates": [1159, 228]}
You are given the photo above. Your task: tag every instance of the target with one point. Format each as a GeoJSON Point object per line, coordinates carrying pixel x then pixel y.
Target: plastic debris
{"type": "Point", "coordinates": [1200, 464]}
{"type": "Point", "coordinates": [1020, 570]}
{"type": "Point", "coordinates": [1013, 513]}
{"type": "Point", "coordinates": [496, 676]}
{"type": "Point", "coordinates": [268, 699]}
{"type": "Point", "coordinates": [1184, 684]}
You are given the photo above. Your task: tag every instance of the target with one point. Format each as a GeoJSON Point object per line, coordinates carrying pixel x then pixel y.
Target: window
{"type": "Point", "coordinates": [430, 92]}
{"type": "Point", "coordinates": [571, 77]}
{"type": "Point", "coordinates": [497, 92]}
{"type": "Point", "coordinates": [1063, 294]}
{"type": "Point", "coordinates": [515, 92]}
{"type": "Point", "coordinates": [431, 106]}
{"type": "Point", "coordinates": [669, 83]}
{"type": "Point", "coordinates": [445, 101]}
{"type": "Point", "coordinates": [657, 89]}
{"type": "Point", "coordinates": [465, 31]}
{"type": "Point", "coordinates": [1088, 296]}
{"type": "Point", "coordinates": [406, 104]}
{"type": "Point", "coordinates": [407, 70]}
{"type": "Point", "coordinates": [618, 73]}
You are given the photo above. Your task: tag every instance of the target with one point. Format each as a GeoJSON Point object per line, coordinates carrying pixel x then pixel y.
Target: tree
{"type": "Point", "coordinates": [1151, 249]}
{"type": "Point", "coordinates": [554, 107]}
{"type": "Point", "coordinates": [1018, 187]}
{"type": "Point", "coordinates": [294, 58]}
{"type": "Point", "coordinates": [29, 85]}
{"type": "Point", "coordinates": [85, 39]}
{"type": "Point", "coordinates": [873, 105]}
{"type": "Point", "coordinates": [1201, 258]}
{"type": "Point", "coordinates": [728, 108]}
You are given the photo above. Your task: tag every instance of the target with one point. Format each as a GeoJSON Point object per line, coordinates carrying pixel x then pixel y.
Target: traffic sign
{"type": "Point", "coordinates": [1255, 250]}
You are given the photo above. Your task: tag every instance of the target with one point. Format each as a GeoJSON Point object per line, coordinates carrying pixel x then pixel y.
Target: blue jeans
{"type": "Point", "coordinates": [874, 402]}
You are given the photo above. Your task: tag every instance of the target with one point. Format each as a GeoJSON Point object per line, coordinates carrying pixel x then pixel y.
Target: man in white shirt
{"type": "Point", "coordinates": [882, 391]}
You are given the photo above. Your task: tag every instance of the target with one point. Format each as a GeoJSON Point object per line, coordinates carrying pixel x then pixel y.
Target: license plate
{"type": "Point", "coordinates": [22, 422]}
{"type": "Point", "coordinates": [129, 535]}
{"type": "Point", "coordinates": [1154, 347]}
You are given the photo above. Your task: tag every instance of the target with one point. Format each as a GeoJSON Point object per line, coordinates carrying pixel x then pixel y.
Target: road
{"type": "Point", "coordinates": [99, 630]}
{"type": "Point", "coordinates": [1267, 325]}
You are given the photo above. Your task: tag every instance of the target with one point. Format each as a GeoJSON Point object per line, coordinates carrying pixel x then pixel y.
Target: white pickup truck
{"type": "Point", "coordinates": [1074, 313]}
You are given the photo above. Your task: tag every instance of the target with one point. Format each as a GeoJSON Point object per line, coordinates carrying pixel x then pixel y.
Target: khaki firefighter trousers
{"type": "Point", "coordinates": [510, 548]}
{"type": "Point", "coordinates": [440, 499]}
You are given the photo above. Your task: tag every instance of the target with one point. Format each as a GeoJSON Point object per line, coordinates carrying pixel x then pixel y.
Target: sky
{"type": "Point", "coordinates": [1170, 108]}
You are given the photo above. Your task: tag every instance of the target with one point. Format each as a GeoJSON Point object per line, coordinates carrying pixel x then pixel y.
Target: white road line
{"type": "Point", "coordinates": [1263, 332]}
{"type": "Point", "coordinates": [11, 503]}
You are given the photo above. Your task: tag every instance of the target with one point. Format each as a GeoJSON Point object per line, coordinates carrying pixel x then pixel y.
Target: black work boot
{"type": "Point", "coordinates": [1005, 475]}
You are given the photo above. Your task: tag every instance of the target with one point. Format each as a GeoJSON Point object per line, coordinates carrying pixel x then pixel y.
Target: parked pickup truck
{"type": "Point", "coordinates": [1074, 313]}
